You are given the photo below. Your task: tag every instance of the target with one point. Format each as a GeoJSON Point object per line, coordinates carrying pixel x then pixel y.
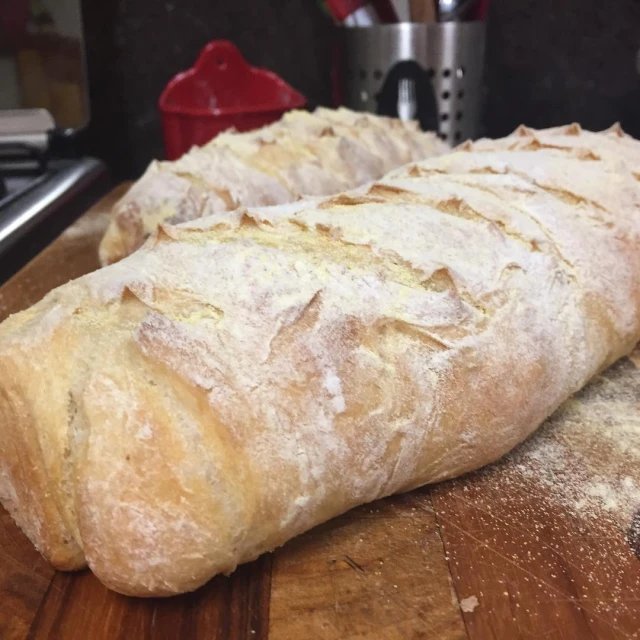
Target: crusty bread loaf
{"type": "Point", "coordinates": [303, 154]}
{"type": "Point", "coordinates": [238, 381]}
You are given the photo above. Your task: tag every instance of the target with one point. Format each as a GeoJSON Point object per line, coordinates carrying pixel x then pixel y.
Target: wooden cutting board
{"type": "Point", "coordinates": [537, 546]}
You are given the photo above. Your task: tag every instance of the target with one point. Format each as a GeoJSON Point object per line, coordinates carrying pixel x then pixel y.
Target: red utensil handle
{"type": "Point", "coordinates": [340, 9]}
{"type": "Point", "coordinates": [481, 10]}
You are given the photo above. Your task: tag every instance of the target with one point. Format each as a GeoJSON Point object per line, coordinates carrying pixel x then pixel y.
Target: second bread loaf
{"type": "Point", "coordinates": [303, 154]}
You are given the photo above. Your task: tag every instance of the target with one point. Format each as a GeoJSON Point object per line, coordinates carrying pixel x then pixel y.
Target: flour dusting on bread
{"type": "Point", "coordinates": [248, 375]}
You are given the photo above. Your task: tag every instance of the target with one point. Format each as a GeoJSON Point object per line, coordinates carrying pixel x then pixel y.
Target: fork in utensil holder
{"type": "Point", "coordinates": [428, 72]}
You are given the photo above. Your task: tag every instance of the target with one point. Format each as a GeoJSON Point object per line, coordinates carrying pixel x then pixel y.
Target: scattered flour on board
{"type": "Point", "coordinates": [587, 456]}
{"type": "Point", "coordinates": [555, 523]}
{"type": "Point", "coordinates": [584, 461]}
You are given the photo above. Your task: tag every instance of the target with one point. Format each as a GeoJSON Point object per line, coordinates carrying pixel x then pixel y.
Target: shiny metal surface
{"type": "Point", "coordinates": [33, 206]}
{"type": "Point", "coordinates": [452, 52]}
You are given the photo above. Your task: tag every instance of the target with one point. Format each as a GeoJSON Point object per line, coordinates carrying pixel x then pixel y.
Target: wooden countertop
{"type": "Point", "coordinates": [500, 553]}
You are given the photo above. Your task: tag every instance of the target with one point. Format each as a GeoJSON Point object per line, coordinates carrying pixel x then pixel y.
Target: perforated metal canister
{"type": "Point", "coordinates": [451, 54]}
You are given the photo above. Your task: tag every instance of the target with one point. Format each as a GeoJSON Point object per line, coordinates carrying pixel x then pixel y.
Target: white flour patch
{"type": "Point", "coordinates": [469, 604]}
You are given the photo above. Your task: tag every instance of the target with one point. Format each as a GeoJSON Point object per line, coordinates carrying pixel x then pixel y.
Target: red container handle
{"type": "Point", "coordinates": [222, 83]}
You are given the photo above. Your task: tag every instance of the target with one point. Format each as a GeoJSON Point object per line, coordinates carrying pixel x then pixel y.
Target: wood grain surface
{"type": "Point", "coordinates": [484, 556]}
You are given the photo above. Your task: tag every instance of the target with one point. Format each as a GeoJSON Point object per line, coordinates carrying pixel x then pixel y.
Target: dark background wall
{"type": "Point", "coordinates": [548, 62]}
{"type": "Point", "coordinates": [554, 61]}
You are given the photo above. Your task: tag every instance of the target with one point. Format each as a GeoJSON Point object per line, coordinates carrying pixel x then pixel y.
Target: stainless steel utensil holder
{"type": "Point", "coordinates": [451, 53]}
